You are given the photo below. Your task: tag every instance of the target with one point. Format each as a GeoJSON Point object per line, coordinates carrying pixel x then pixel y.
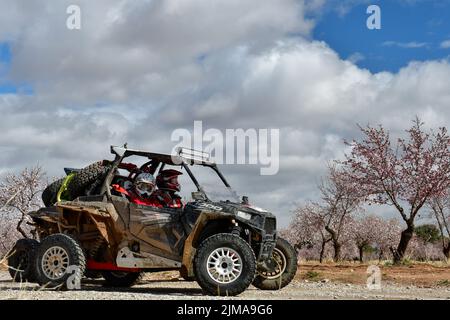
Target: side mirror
{"type": "Point", "coordinates": [198, 195]}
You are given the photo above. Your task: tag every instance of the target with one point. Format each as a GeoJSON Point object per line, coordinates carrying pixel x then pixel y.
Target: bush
{"type": "Point", "coordinates": [312, 275]}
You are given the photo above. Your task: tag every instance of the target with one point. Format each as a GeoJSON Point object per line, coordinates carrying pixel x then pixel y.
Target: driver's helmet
{"type": "Point", "coordinates": [168, 180]}
{"type": "Point", "coordinates": [144, 184]}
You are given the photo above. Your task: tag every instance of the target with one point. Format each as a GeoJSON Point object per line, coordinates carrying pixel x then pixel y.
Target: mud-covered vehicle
{"type": "Point", "coordinates": [217, 239]}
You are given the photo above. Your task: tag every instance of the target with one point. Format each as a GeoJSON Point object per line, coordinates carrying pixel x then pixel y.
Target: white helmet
{"type": "Point", "coordinates": [144, 184]}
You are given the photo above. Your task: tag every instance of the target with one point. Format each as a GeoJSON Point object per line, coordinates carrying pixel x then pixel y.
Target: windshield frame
{"type": "Point", "coordinates": [216, 170]}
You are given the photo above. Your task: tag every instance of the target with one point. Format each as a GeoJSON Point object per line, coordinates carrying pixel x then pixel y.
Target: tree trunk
{"type": "Point", "coordinates": [337, 251]}
{"type": "Point", "coordinates": [361, 253]}
{"type": "Point", "coordinates": [406, 236]}
{"type": "Point", "coordinates": [446, 250]}
{"type": "Point", "coordinates": [380, 255]}
{"type": "Point", "coordinates": [322, 251]}
{"type": "Point", "coordinates": [19, 226]}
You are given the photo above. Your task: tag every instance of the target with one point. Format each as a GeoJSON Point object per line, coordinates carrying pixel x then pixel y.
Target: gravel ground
{"type": "Point", "coordinates": [174, 289]}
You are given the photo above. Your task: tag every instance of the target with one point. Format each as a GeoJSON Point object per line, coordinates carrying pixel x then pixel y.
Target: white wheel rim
{"type": "Point", "coordinates": [55, 262]}
{"type": "Point", "coordinates": [224, 265]}
{"type": "Point", "coordinates": [280, 260]}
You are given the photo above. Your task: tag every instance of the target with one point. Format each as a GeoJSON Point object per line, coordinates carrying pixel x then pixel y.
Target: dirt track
{"type": "Point", "coordinates": [168, 288]}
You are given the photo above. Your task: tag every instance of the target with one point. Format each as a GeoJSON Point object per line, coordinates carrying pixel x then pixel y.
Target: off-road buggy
{"type": "Point", "coordinates": [221, 241]}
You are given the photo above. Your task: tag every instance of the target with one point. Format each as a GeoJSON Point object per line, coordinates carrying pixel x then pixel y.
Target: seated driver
{"type": "Point", "coordinates": [168, 185]}
{"type": "Point", "coordinates": [140, 191]}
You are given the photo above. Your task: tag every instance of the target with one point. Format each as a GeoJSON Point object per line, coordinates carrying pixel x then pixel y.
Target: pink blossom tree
{"type": "Point", "coordinates": [404, 176]}
{"type": "Point", "coordinates": [308, 228]}
{"type": "Point", "coordinates": [341, 200]}
{"type": "Point", "coordinates": [387, 237]}
{"type": "Point", "coordinates": [365, 231]}
{"type": "Point", "coordinates": [440, 209]}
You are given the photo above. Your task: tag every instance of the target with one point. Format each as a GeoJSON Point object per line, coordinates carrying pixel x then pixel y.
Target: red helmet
{"type": "Point", "coordinates": [168, 180]}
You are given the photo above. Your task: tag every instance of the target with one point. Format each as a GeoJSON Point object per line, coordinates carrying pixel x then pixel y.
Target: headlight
{"type": "Point", "coordinates": [244, 215]}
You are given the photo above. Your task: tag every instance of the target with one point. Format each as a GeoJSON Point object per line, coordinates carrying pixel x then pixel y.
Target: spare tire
{"type": "Point", "coordinates": [50, 193]}
{"type": "Point", "coordinates": [88, 180]}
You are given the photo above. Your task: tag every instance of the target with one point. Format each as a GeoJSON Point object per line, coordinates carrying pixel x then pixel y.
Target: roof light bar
{"type": "Point", "coordinates": [193, 155]}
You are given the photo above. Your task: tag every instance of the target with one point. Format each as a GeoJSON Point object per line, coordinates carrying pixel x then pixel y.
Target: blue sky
{"type": "Point", "coordinates": [6, 85]}
{"type": "Point", "coordinates": [411, 30]}
{"type": "Point", "coordinates": [5, 60]}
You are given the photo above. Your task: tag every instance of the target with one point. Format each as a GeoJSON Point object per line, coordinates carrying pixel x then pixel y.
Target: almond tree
{"type": "Point", "coordinates": [373, 230]}
{"type": "Point", "coordinates": [440, 208]}
{"type": "Point", "coordinates": [341, 199]}
{"type": "Point", "coordinates": [365, 232]}
{"type": "Point", "coordinates": [387, 236]}
{"type": "Point", "coordinates": [20, 193]}
{"type": "Point", "coordinates": [308, 227]}
{"type": "Point", "coordinates": [404, 176]}
{"type": "Point", "coordinates": [8, 234]}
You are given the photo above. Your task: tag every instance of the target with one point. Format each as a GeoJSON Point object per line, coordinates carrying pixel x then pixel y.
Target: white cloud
{"type": "Point", "coordinates": [157, 66]}
{"type": "Point", "coordinates": [356, 57]}
{"type": "Point", "coordinates": [445, 44]}
{"type": "Point", "coordinates": [405, 45]}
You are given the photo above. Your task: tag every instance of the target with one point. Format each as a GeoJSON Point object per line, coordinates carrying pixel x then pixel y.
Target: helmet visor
{"type": "Point", "coordinates": [145, 187]}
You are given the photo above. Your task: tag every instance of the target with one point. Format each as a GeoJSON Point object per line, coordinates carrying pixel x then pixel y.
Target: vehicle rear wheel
{"type": "Point", "coordinates": [121, 278]}
{"type": "Point", "coordinates": [49, 195]}
{"type": "Point", "coordinates": [284, 267]}
{"type": "Point", "coordinates": [224, 265]}
{"type": "Point", "coordinates": [60, 262]}
{"type": "Point", "coordinates": [21, 262]}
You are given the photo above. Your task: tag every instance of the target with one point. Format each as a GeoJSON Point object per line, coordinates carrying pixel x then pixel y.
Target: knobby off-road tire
{"type": "Point", "coordinates": [60, 261]}
{"type": "Point", "coordinates": [50, 193]}
{"type": "Point", "coordinates": [87, 179]}
{"type": "Point", "coordinates": [224, 265]}
{"type": "Point", "coordinates": [285, 258]}
{"type": "Point", "coordinates": [21, 262]}
{"type": "Point", "coordinates": [121, 278]}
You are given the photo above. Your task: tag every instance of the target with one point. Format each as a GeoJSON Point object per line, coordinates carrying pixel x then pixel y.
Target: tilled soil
{"type": "Point", "coordinates": [169, 287]}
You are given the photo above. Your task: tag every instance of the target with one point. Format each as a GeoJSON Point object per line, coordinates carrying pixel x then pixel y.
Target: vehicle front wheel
{"type": "Point", "coordinates": [121, 278]}
{"type": "Point", "coordinates": [60, 262]}
{"type": "Point", "coordinates": [283, 266]}
{"type": "Point", "coordinates": [224, 265]}
{"type": "Point", "coordinates": [21, 261]}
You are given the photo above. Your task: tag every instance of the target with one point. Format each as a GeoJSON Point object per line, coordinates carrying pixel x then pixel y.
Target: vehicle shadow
{"type": "Point", "coordinates": [99, 286]}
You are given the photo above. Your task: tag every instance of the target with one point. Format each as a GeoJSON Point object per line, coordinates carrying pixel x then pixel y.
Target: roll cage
{"type": "Point", "coordinates": [184, 157]}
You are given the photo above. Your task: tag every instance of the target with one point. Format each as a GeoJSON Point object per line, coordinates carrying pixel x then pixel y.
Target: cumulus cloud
{"type": "Point", "coordinates": [137, 71]}
{"type": "Point", "coordinates": [356, 57]}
